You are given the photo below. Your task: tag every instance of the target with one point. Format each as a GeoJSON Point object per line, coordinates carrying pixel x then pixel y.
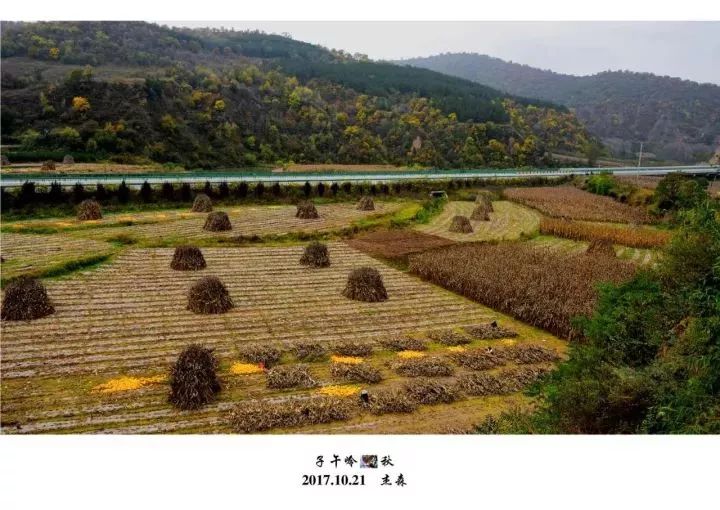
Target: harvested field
{"type": "Point", "coordinates": [255, 416]}
{"type": "Point", "coordinates": [639, 256]}
{"type": "Point", "coordinates": [401, 343]}
{"type": "Point", "coordinates": [396, 244]}
{"type": "Point", "coordinates": [128, 319]}
{"type": "Point", "coordinates": [183, 225]}
{"type": "Point", "coordinates": [638, 237]}
{"type": "Point", "coordinates": [35, 255]}
{"type": "Point", "coordinates": [542, 287]}
{"type": "Point", "coordinates": [573, 203]}
{"type": "Point", "coordinates": [508, 221]}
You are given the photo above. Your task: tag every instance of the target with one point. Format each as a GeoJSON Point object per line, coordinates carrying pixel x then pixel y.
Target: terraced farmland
{"type": "Point", "coordinates": [121, 325]}
{"type": "Point", "coordinates": [182, 224]}
{"type": "Point", "coordinates": [508, 222]}
{"type": "Point", "coordinates": [641, 256]}
{"type": "Point", "coordinates": [29, 254]}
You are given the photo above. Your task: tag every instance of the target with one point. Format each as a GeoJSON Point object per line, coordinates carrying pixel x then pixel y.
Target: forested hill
{"type": "Point", "coordinates": [677, 119]}
{"type": "Point", "coordinates": [133, 91]}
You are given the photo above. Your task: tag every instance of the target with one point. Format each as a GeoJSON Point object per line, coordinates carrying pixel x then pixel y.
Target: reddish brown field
{"type": "Point", "coordinates": [636, 237]}
{"type": "Point", "coordinates": [570, 202]}
{"type": "Point", "coordinates": [542, 287]}
{"type": "Point", "coordinates": [396, 244]}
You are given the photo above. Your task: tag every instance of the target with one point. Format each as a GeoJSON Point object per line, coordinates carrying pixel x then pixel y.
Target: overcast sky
{"type": "Point", "coordinates": [683, 49]}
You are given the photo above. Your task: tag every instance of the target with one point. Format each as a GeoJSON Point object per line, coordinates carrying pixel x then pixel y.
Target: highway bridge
{"type": "Point", "coordinates": [66, 180]}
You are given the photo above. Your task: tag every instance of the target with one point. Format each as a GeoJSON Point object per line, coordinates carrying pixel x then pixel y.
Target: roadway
{"type": "Point", "coordinates": [45, 179]}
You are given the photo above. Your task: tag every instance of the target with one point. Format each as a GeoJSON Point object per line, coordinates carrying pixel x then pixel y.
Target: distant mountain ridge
{"type": "Point", "coordinates": [676, 119]}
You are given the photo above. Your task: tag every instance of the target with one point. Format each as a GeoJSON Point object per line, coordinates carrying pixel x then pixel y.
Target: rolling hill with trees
{"type": "Point", "coordinates": [676, 119]}
{"type": "Point", "coordinates": [138, 92]}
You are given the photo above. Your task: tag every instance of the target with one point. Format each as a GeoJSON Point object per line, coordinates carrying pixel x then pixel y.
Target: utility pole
{"type": "Point", "coordinates": [637, 175]}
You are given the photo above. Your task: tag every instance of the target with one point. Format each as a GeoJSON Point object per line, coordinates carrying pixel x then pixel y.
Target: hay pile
{"type": "Point", "coordinates": [479, 359]}
{"type": "Point", "coordinates": [315, 255]}
{"type": "Point", "coordinates": [258, 415]}
{"type": "Point", "coordinates": [424, 367]}
{"type": "Point", "coordinates": [202, 203]}
{"type": "Point", "coordinates": [529, 353]}
{"type": "Point", "coordinates": [217, 221]}
{"type": "Point", "coordinates": [68, 160]}
{"type": "Point", "coordinates": [290, 376]}
{"type": "Point", "coordinates": [365, 284]}
{"type": "Point", "coordinates": [47, 166]}
{"type": "Point", "coordinates": [306, 211]}
{"type": "Point", "coordinates": [188, 258]}
{"type": "Point", "coordinates": [402, 343]}
{"type": "Point", "coordinates": [193, 378]}
{"type": "Point", "coordinates": [350, 348]}
{"type": "Point", "coordinates": [366, 204]}
{"type": "Point", "coordinates": [390, 401]}
{"type": "Point", "coordinates": [89, 210]}
{"type": "Point", "coordinates": [209, 295]}
{"type": "Point", "coordinates": [601, 247]}
{"type": "Point", "coordinates": [4, 161]}
{"type": "Point", "coordinates": [484, 198]}
{"type": "Point", "coordinates": [309, 351]}
{"type": "Point", "coordinates": [489, 331]}
{"type": "Point", "coordinates": [361, 372]}
{"type": "Point", "coordinates": [480, 213]}
{"type": "Point", "coordinates": [449, 337]}
{"type": "Point", "coordinates": [268, 355]}
{"type": "Point", "coordinates": [502, 383]}
{"type": "Point", "coordinates": [431, 391]}
{"type": "Point", "coordinates": [25, 299]}
{"type": "Point", "coordinates": [460, 224]}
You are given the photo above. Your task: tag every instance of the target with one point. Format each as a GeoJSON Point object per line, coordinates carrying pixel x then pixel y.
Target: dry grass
{"type": "Point", "coordinates": [541, 287]}
{"type": "Point", "coordinates": [424, 367]}
{"type": "Point", "coordinates": [361, 372]}
{"type": "Point", "coordinates": [268, 355]}
{"type": "Point", "coordinates": [403, 343]}
{"type": "Point", "coordinates": [290, 376]}
{"type": "Point", "coordinates": [637, 237]}
{"type": "Point", "coordinates": [258, 415]}
{"type": "Point", "coordinates": [570, 202]}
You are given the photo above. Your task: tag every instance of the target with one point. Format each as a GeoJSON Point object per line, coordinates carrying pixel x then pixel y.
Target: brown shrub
{"type": "Point", "coordinates": [309, 351]}
{"type": "Point", "coordinates": [268, 355]}
{"type": "Point", "coordinates": [479, 359]}
{"type": "Point", "coordinates": [350, 348]}
{"type": "Point", "coordinates": [208, 295]}
{"type": "Point", "coordinates": [542, 287]}
{"type": "Point", "coordinates": [290, 376]}
{"type": "Point", "coordinates": [217, 221]}
{"type": "Point", "coordinates": [424, 367]}
{"type": "Point", "coordinates": [193, 379]}
{"type": "Point", "coordinates": [316, 255]}
{"type": "Point", "coordinates": [529, 353]}
{"type": "Point", "coordinates": [47, 166]}
{"type": "Point", "coordinates": [637, 237]}
{"type": "Point", "coordinates": [366, 204]}
{"type": "Point", "coordinates": [570, 202]}
{"type": "Point", "coordinates": [489, 331]}
{"type": "Point", "coordinates": [403, 343]}
{"type": "Point", "coordinates": [202, 203]}
{"type": "Point", "coordinates": [480, 213]}
{"type": "Point", "coordinates": [449, 337]}
{"type": "Point", "coordinates": [362, 372]}
{"type": "Point", "coordinates": [600, 247]}
{"type": "Point", "coordinates": [460, 224]}
{"type": "Point", "coordinates": [432, 391]}
{"type": "Point", "coordinates": [89, 210]}
{"type": "Point", "coordinates": [25, 299]}
{"type": "Point", "coordinates": [188, 258]}
{"type": "Point", "coordinates": [306, 211]}
{"type": "Point", "coordinates": [391, 401]}
{"type": "Point", "coordinates": [257, 415]}
{"type": "Point", "coordinates": [365, 284]}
